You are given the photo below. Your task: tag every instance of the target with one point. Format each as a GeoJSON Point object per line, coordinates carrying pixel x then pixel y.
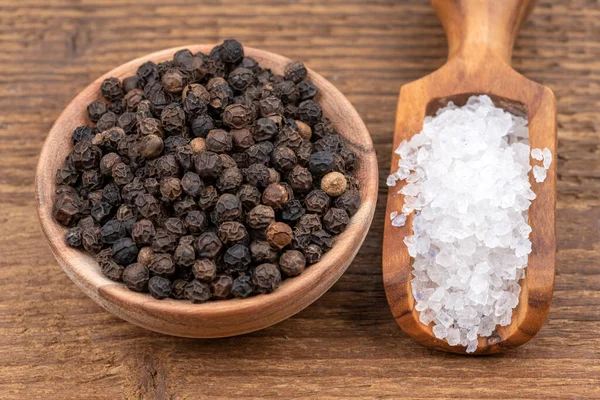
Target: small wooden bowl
{"type": "Point", "coordinates": [218, 318]}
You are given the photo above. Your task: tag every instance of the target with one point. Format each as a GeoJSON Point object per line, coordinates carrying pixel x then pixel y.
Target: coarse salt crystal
{"type": "Point", "coordinates": [547, 157]}
{"type": "Point", "coordinates": [393, 214]}
{"type": "Point", "coordinates": [537, 154]}
{"type": "Point", "coordinates": [539, 173]}
{"type": "Point", "coordinates": [399, 220]}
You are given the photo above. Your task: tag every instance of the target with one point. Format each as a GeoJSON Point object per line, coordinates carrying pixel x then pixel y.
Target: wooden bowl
{"type": "Point", "coordinates": [217, 318]}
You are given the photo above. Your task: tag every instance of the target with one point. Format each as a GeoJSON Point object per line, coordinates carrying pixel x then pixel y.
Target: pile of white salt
{"type": "Point", "coordinates": [466, 180]}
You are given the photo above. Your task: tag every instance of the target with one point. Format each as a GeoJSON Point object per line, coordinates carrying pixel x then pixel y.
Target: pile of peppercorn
{"type": "Point", "coordinates": [206, 177]}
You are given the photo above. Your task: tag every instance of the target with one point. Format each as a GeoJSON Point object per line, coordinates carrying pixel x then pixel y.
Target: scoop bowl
{"type": "Point", "coordinates": [217, 318]}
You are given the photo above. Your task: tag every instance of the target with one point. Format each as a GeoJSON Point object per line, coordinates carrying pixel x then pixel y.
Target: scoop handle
{"type": "Point", "coordinates": [476, 28]}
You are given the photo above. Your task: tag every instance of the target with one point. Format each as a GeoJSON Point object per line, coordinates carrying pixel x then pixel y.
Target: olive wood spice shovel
{"type": "Point", "coordinates": [480, 36]}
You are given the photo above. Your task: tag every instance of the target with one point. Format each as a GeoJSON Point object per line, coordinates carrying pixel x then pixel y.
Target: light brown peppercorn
{"type": "Point", "coordinates": [304, 130]}
{"type": "Point", "coordinates": [151, 146]}
{"type": "Point", "coordinates": [145, 256]}
{"type": "Point", "coordinates": [279, 234]}
{"type": "Point", "coordinates": [334, 184]}
{"type": "Point", "coordinates": [275, 195]}
{"type": "Point", "coordinates": [198, 145]}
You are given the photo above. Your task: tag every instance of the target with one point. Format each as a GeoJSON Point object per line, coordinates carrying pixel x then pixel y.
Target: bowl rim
{"type": "Point", "coordinates": [119, 300]}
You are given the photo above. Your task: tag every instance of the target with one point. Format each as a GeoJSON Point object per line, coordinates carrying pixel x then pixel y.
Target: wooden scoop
{"type": "Point", "coordinates": [480, 35]}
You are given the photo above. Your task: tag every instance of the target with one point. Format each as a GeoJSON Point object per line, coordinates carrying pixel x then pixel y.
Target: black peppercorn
{"type": "Point", "coordinates": [292, 262]}
{"type": "Point", "coordinates": [208, 165]}
{"type": "Point", "coordinates": [178, 289]}
{"type": "Point", "coordinates": [258, 175]}
{"type": "Point", "coordinates": [124, 251]}
{"type": "Point", "coordinates": [172, 118]}
{"type": "Point", "coordinates": [266, 278]}
{"type": "Point", "coordinates": [307, 90]}
{"type": "Point", "coordinates": [162, 264]}
{"type": "Point", "coordinates": [313, 253]}
{"type": "Point", "coordinates": [164, 241]}
{"type": "Point", "coordinates": [260, 217]}
{"type": "Point", "coordinates": [231, 51]}
{"type": "Point", "coordinates": [150, 126]}
{"type": "Point", "coordinates": [264, 129]}
{"type": "Point", "coordinates": [322, 239]}
{"type": "Point", "coordinates": [237, 116]}
{"type": "Point", "coordinates": [130, 83]}
{"type": "Point", "coordinates": [136, 276]}
{"type": "Point", "coordinates": [240, 78]}
{"type": "Point", "coordinates": [335, 220]}
{"type": "Point", "coordinates": [175, 226]}
{"type": "Point", "coordinates": [208, 198]}
{"type": "Point", "coordinates": [191, 184]}
{"type": "Point", "coordinates": [228, 208]}
{"type": "Point", "coordinates": [283, 159]}
{"type": "Point", "coordinates": [107, 121]}
{"type": "Point", "coordinates": [207, 245]}
{"type": "Point", "coordinates": [309, 112]}
{"type": "Point", "coordinates": [237, 257]}
{"type": "Point", "coordinates": [173, 80]}
{"type": "Point", "coordinates": [221, 287]}
{"type": "Point", "coordinates": [197, 292]}
{"type": "Point", "coordinates": [143, 232]}
{"type": "Point", "coordinates": [270, 106]}
{"type": "Point", "coordinates": [184, 255]}
{"type": "Point", "coordinates": [159, 287]}
{"type": "Point", "coordinates": [112, 231]}
{"type": "Point", "coordinates": [249, 196]}
{"type": "Point", "coordinates": [242, 287]}
{"type": "Point", "coordinates": [260, 153]}
{"type": "Point", "coordinates": [73, 236]}
{"type": "Point", "coordinates": [204, 270]}
{"type": "Point", "coordinates": [292, 211]}
{"type": "Point", "coordinates": [349, 201]}
{"type": "Point", "coordinates": [317, 202]}
{"type": "Point", "coordinates": [170, 188]}
{"type": "Point", "coordinates": [295, 71]}
{"type": "Point", "coordinates": [309, 223]}
{"type": "Point", "coordinates": [300, 179]}
{"type": "Point", "coordinates": [96, 109]}
{"type": "Point", "coordinates": [232, 232]}
{"type": "Point", "coordinates": [82, 133]}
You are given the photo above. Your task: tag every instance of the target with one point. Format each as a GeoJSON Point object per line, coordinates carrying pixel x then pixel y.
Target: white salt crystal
{"type": "Point", "coordinates": [537, 154]}
{"type": "Point", "coordinates": [547, 157]}
{"type": "Point", "coordinates": [472, 346]}
{"type": "Point", "coordinates": [393, 214]}
{"type": "Point", "coordinates": [391, 180]}
{"type": "Point", "coordinates": [539, 173]}
{"type": "Point", "coordinates": [466, 177]}
{"type": "Point", "coordinates": [399, 220]}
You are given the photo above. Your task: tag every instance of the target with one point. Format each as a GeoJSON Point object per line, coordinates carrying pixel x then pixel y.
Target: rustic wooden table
{"type": "Point", "coordinates": [55, 343]}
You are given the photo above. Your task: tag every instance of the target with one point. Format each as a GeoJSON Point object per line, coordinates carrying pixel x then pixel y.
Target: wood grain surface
{"type": "Point", "coordinates": [56, 343]}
